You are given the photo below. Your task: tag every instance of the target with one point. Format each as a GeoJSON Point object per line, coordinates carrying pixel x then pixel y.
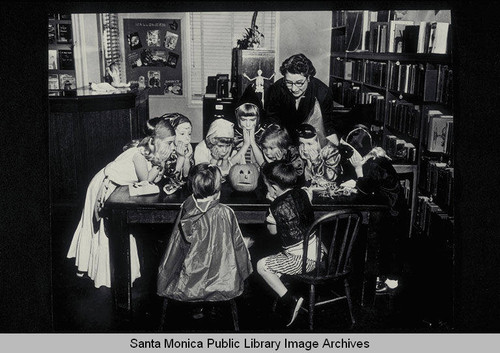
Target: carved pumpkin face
{"type": "Point", "coordinates": [244, 177]}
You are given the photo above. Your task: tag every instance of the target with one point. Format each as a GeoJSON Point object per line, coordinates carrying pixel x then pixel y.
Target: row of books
{"type": "Point", "coordinates": [61, 81]}
{"type": "Point", "coordinates": [438, 134]}
{"type": "Point", "coordinates": [338, 91]}
{"type": "Point", "coordinates": [432, 82]}
{"type": "Point", "coordinates": [399, 36]}
{"type": "Point", "coordinates": [339, 18]}
{"type": "Point", "coordinates": [338, 68]}
{"type": "Point", "coordinates": [432, 221]}
{"type": "Point", "coordinates": [404, 117]}
{"type": "Point", "coordinates": [367, 71]}
{"type": "Point", "coordinates": [60, 33]}
{"type": "Point", "coordinates": [406, 184]}
{"type": "Point", "coordinates": [437, 181]}
{"type": "Point", "coordinates": [338, 42]}
{"type": "Point", "coordinates": [61, 59]}
{"type": "Point", "coordinates": [438, 84]}
{"type": "Point", "coordinates": [399, 149]}
{"type": "Point", "coordinates": [407, 78]}
{"type": "Point", "coordinates": [351, 96]}
{"type": "Point", "coordinates": [59, 16]}
{"type": "Point", "coordinates": [378, 102]}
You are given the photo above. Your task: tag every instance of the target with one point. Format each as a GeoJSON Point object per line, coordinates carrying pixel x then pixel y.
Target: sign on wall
{"type": "Point", "coordinates": [153, 54]}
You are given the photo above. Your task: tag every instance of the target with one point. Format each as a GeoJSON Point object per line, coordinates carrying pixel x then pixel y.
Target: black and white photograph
{"type": "Point", "coordinates": [64, 33]}
{"type": "Point", "coordinates": [171, 40]}
{"type": "Point", "coordinates": [286, 176]}
{"type": "Point", "coordinates": [53, 59]}
{"type": "Point", "coordinates": [172, 59]}
{"type": "Point", "coordinates": [154, 78]}
{"type": "Point", "coordinates": [153, 38]}
{"type": "Point", "coordinates": [66, 59]}
{"type": "Point", "coordinates": [134, 41]}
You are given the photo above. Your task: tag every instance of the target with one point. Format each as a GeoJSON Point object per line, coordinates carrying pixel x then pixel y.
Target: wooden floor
{"type": "Point", "coordinates": [418, 305]}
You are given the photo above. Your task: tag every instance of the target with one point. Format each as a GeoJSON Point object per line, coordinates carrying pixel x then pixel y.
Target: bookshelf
{"type": "Point", "coordinates": [405, 78]}
{"type": "Point", "coordinates": [61, 63]}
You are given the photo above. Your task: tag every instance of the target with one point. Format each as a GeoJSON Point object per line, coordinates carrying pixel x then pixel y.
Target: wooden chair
{"type": "Point", "coordinates": [337, 231]}
{"type": "Point", "coordinates": [232, 303]}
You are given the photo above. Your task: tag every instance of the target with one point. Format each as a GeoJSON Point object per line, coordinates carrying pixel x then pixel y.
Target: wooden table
{"type": "Point", "coordinates": [123, 210]}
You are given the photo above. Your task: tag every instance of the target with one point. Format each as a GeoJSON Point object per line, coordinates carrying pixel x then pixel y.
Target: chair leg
{"type": "Point", "coordinates": [163, 314]}
{"type": "Point", "coordinates": [312, 298]}
{"type": "Point", "coordinates": [234, 313]}
{"type": "Point", "coordinates": [349, 300]}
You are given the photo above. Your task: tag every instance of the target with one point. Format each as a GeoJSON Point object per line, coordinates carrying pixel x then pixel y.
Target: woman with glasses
{"type": "Point", "coordinates": [292, 99]}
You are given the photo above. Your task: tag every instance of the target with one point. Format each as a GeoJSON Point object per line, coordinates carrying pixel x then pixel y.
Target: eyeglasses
{"type": "Point", "coordinates": [297, 84]}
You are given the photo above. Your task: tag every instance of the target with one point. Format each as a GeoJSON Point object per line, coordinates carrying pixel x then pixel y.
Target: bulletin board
{"type": "Point", "coordinates": [153, 54]}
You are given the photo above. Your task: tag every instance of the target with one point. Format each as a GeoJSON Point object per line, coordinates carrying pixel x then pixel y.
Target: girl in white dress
{"type": "Point", "coordinates": [141, 161]}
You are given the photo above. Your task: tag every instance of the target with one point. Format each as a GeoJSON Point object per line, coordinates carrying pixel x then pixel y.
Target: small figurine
{"type": "Point", "coordinates": [113, 71]}
{"type": "Point", "coordinates": [259, 83]}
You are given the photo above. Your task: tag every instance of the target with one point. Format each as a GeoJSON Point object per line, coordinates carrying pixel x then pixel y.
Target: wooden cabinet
{"type": "Point", "coordinates": [87, 132]}
{"type": "Point", "coordinates": [252, 67]}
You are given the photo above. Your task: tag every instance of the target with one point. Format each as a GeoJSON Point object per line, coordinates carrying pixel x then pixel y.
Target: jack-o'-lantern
{"type": "Point", "coordinates": [244, 177]}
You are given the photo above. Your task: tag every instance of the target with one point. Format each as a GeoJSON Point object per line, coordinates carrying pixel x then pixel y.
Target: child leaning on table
{"type": "Point", "coordinates": [290, 216]}
{"type": "Point", "coordinates": [140, 161]}
{"type": "Point", "coordinates": [206, 258]}
{"type": "Point", "coordinates": [217, 147]}
{"type": "Point", "coordinates": [180, 161]}
{"type": "Point", "coordinates": [375, 175]}
{"type": "Point", "coordinates": [277, 145]}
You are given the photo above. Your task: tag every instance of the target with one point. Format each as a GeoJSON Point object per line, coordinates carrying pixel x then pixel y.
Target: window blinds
{"type": "Point", "coordinates": [214, 35]}
{"type": "Point", "coordinates": [111, 40]}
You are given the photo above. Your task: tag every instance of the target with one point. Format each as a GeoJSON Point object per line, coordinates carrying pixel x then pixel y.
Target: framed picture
{"type": "Point", "coordinates": [53, 82]}
{"type": "Point", "coordinates": [171, 40]}
{"type": "Point", "coordinates": [53, 62]}
{"type": "Point", "coordinates": [153, 38]}
{"type": "Point", "coordinates": [64, 33]}
{"type": "Point", "coordinates": [172, 60]}
{"type": "Point", "coordinates": [134, 41]}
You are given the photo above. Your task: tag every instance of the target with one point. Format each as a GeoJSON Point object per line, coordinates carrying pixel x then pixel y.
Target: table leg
{"type": "Point", "coordinates": [119, 247]}
{"type": "Point", "coordinates": [370, 263]}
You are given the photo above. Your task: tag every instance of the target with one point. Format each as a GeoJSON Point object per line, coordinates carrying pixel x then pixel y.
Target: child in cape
{"type": "Point", "coordinates": [217, 147]}
{"type": "Point", "coordinates": [206, 258]}
{"type": "Point", "coordinates": [140, 162]}
{"type": "Point", "coordinates": [290, 216]}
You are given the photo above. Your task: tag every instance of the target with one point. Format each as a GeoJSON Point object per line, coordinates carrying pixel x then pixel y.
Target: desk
{"type": "Point", "coordinates": [87, 130]}
{"type": "Point", "coordinates": [121, 210]}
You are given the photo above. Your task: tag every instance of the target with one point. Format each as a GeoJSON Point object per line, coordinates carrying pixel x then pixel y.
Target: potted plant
{"type": "Point", "coordinates": [252, 38]}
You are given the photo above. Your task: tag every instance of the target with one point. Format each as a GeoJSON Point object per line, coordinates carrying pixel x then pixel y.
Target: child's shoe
{"type": "Point", "coordinates": [197, 313]}
{"type": "Point", "coordinates": [291, 307]}
{"type": "Point", "coordinates": [381, 286]}
{"type": "Point", "coordinates": [392, 283]}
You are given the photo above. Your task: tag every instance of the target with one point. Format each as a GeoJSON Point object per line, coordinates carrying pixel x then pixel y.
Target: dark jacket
{"type": "Point", "coordinates": [280, 104]}
{"type": "Point", "coordinates": [293, 214]}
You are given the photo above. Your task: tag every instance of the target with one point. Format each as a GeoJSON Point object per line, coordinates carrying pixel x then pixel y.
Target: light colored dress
{"type": "Point", "coordinates": [89, 246]}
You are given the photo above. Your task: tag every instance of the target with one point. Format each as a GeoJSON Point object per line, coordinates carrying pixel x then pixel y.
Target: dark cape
{"type": "Point", "coordinates": [206, 258]}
